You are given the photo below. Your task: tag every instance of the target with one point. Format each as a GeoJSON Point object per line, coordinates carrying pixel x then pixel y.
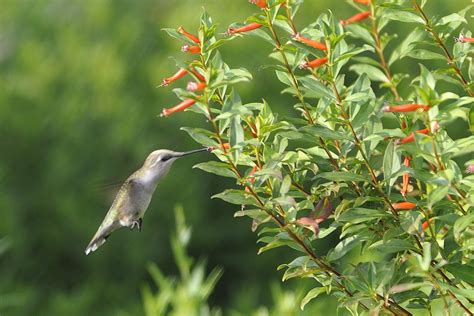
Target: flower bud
{"type": "Point", "coordinates": [315, 44]}
{"type": "Point", "coordinates": [464, 39]}
{"type": "Point", "coordinates": [180, 73]}
{"type": "Point", "coordinates": [260, 3]}
{"type": "Point", "coordinates": [179, 107]}
{"type": "Point", "coordinates": [314, 63]}
{"type": "Point", "coordinates": [403, 206]}
{"type": "Point", "coordinates": [405, 108]}
{"type": "Point", "coordinates": [246, 28]}
{"type": "Point", "coordinates": [356, 18]}
{"type": "Point", "coordinates": [366, 2]}
{"type": "Point", "coordinates": [191, 49]}
{"type": "Point", "coordinates": [195, 86]}
{"type": "Point", "coordinates": [193, 38]}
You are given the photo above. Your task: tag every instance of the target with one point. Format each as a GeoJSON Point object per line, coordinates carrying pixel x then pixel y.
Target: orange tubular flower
{"type": "Point", "coordinates": [188, 35]}
{"type": "Point", "coordinates": [198, 75]}
{"type": "Point", "coordinates": [195, 86]}
{"type": "Point", "coordinates": [406, 108]}
{"type": "Point", "coordinates": [411, 138]}
{"type": "Point", "coordinates": [464, 39]}
{"type": "Point", "coordinates": [260, 3]}
{"type": "Point", "coordinates": [405, 177]}
{"type": "Point", "coordinates": [356, 18]}
{"type": "Point", "coordinates": [246, 28]}
{"type": "Point", "coordinates": [180, 73]}
{"type": "Point", "coordinates": [403, 206]}
{"type": "Point", "coordinates": [366, 2]}
{"type": "Point", "coordinates": [315, 44]}
{"type": "Point", "coordinates": [314, 63]}
{"type": "Point", "coordinates": [191, 49]}
{"type": "Point", "coordinates": [179, 107]}
{"type": "Point", "coordinates": [426, 224]}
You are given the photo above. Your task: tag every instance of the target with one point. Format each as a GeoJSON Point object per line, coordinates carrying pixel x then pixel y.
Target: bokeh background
{"type": "Point", "coordinates": [78, 114]}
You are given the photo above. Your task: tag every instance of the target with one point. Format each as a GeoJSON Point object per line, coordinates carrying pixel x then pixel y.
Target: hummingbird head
{"type": "Point", "coordinates": [159, 161]}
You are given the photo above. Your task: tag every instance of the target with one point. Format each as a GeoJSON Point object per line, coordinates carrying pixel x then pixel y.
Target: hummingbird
{"type": "Point", "coordinates": [135, 195]}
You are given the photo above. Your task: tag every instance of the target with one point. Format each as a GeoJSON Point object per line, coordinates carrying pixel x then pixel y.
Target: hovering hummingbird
{"type": "Point", "coordinates": [134, 196]}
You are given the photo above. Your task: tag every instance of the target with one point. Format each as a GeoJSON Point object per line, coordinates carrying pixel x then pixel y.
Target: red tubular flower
{"type": "Point", "coordinates": [406, 108]}
{"type": "Point", "coordinates": [195, 86]}
{"type": "Point", "coordinates": [403, 206]}
{"type": "Point", "coordinates": [188, 35]}
{"type": "Point", "coordinates": [411, 138]}
{"type": "Point", "coordinates": [356, 18]}
{"type": "Point", "coordinates": [260, 3]}
{"type": "Point", "coordinates": [314, 63]}
{"type": "Point", "coordinates": [464, 39]}
{"type": "Point", "coordinates": [315, 44]}
{"type": "Point", "coordinates": [191, 49]}
{"type": "Point", "coordinates": [198, 75]}
{"type": "Point", "coordinates": [246, 28]}
{"type": "Point", "coordinates": [180, 73]}
{"type": "Point", "coordinates": [426, 224]}
{"type": "Point", "coordinates": [179, 107]}
{"type": "Point", "coordinates": [405, 177]}
{"type": "Point", "coordinates": [366, 2]}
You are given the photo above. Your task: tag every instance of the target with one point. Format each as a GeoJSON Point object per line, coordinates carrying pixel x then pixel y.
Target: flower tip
{"type": "Point", "coordinates": [435, 126]}
{"type": "Point", "coordinates": [192, 86]}
{"type": "Point", "coordinates": [303, 65]}
{"type": "Point", "coordinates": [470, 168]}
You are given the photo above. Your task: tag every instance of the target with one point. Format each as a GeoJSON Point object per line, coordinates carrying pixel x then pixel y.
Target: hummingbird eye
{"type": "Point", "coordinates": [164, 158]}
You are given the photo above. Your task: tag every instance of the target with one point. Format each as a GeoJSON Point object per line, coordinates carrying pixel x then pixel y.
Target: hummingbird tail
{"type": "Point", "coordinates": [99, 239]}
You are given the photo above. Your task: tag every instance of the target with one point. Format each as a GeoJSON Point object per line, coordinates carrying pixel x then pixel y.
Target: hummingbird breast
{"type": "Point", "coordinates": [132, 201]}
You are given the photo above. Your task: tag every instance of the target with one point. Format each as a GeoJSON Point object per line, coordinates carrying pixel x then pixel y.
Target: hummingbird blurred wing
{"type": "Point", "coordinates": [120, 206]}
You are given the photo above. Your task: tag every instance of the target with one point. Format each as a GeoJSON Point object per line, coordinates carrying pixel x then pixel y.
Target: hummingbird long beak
{"type": "Point", "coordinates": [185, 153]}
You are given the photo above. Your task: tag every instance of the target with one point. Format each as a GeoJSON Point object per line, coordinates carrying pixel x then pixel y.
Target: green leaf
{"type": "Point", "coordinates": [341, 176]}
{"type": "Point", "coordinates": [311, 295]}
{"type": "Point", "coordinates": [462, 224]}
{"type": "Point", "coordinates": [372, 72]}
{"type": "Point", "coordinates": [174, 33]}
{"type": "Point", "coordinates": [324, 132]}
{"type": "Point", "coordinates": [201, 136]}
{"type": "Point", "coordinates": [216, 167]}
{"type": "Point", "coordinates": [392, 245]}
{"type": "Point", "coordinates": [437, 195]}
{"type": "Point", "coordinates": [236, 135]}
{"type": "Point", "coordinates": [359, 215]}
{"type": "Point", "coordinates": [464, 272]}
{"type": "Point", "coordinates": [316, 87]}
{"type": "Point", "coordinates": [353, 53]}
{"type": "Point", "coordinates": [407, 45]}
{"type": "Point", "coordinates": [425, 54]}
{"type": "Point", "coordinates": [402, 16]}
{"type": "Point", "coordinates": [391, 164]}
{"type": "Point", "coordinates": [358, 31]}
{"type": "Point", "coordinates": [284, 77]}
{"type": "Point", "coordinates": [343, 247]}
{"type": "Point", "coordinates": [285, 185]}
{"type": "Point", "coordinates": [238, 197]}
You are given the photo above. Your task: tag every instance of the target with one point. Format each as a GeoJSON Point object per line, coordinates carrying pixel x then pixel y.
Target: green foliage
{"type": "Point", "coordinates": [369, 160]}
{"type": "Point", "coordinates": [188, 294]}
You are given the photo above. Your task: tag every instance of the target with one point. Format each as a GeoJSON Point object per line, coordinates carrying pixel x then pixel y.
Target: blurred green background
{"type": "Point", "coordinates": [78, 112]}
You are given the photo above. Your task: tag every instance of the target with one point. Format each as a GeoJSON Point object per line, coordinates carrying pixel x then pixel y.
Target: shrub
{"type": "Point", "coordinates": [368, 159]}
